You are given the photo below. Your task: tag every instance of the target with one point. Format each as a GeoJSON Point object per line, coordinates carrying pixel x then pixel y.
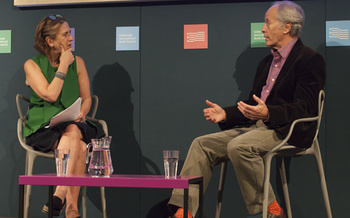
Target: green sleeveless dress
{"type": "Point", "coordinates": [40, 111]}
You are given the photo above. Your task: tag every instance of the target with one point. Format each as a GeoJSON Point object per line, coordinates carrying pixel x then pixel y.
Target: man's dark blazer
{"type": "Point", "coordinates": [293, 96]}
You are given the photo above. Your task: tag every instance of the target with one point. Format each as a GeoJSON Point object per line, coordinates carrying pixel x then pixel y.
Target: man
{"type": "Point", "coordinates": [285, 88]}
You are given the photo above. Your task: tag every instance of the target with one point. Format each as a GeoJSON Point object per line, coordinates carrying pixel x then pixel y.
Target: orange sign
{"type": "Point", "coordinates": [196, 36]}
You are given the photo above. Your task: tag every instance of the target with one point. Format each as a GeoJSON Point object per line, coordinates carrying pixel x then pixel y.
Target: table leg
{"type": "Point", "coordinates": [200, 209]}
{"type": "Point", "coordinates": [50, 200]}
{"type": "Point", "coordinates": [21, 201]}
{"type": "Point", "coordinates": [186, 203]}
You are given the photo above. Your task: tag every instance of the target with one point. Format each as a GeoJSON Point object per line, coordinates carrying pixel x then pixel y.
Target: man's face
{"type": "Point", "coordinates": [273, 33]}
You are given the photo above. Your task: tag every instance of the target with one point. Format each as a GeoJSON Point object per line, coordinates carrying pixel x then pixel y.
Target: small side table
{"type": "Point", "coordinates": [115, 180]}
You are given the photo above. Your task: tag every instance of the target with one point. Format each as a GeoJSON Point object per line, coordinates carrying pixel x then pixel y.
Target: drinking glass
{"type": "Point", "coordinates": [62, 158]}
{"type": "Point", "coordinates": [171, 159]}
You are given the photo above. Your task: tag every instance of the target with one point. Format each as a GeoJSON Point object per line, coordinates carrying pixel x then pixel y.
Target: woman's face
{"type": "Point", "coordinates": [63, 38]}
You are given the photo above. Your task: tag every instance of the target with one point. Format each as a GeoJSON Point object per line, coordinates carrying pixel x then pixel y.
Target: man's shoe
{"type": "Point", "coordinates": [282, 215]}
{"type": "Point", "coordinates": [180, 214]}
{"type": "Point", "coordinates": [57, 206]}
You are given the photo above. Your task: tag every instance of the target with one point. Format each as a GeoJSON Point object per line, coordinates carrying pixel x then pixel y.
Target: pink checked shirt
{"type": "Point", "coordinates": [279, 57]}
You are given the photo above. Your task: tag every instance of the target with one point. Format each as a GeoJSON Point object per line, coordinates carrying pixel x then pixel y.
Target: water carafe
{"type": "Point", "coordinates": [100, 161]}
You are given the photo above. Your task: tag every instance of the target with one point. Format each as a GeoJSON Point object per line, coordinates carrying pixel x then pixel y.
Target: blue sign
{"type": "Point", "coordinates": [127, 38]}
{"type": "Point", "coordinates": [72, 33]}
{"type": "Point", "coordinates": [337, 33]}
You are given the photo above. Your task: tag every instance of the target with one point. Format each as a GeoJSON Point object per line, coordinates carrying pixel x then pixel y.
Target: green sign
{"type": "Point", "coordinates": [5, 41]}
{"type": "Point", "coordinates": [257, 39]}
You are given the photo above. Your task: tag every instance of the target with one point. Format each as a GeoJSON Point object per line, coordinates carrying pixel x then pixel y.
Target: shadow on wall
{"type": "Point", "coordinates": [112, 84]}
{"type": "Point", "coordinates": [246, 65]}
{"type": "Point", "coordinates": [12, 155]}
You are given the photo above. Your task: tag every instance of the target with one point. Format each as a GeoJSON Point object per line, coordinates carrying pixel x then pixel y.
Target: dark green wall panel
{"type": "Point", "coordinates": [153, 99]}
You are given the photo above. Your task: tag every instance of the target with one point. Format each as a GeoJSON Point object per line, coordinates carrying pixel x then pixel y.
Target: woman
{"type": "Point", "coordinates": [56, 79]}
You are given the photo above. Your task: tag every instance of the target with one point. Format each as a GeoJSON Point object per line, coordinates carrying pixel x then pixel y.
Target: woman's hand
{"type": "Point", "coordinates": [66, 58]}
{"type": "Point", "coordinates": [80, 118]}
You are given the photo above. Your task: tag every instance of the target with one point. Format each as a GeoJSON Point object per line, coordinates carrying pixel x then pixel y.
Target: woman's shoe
{"type": "Point", "coordinates": [57, 206]}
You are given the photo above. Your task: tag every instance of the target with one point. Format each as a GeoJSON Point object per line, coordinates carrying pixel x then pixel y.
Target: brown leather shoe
{"type": "Point", "coordinates": [282, 215]}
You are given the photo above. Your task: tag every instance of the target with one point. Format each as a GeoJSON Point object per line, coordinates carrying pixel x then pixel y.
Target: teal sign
{"type": "Point", "coordinates": [257, 39]}
{"type": "Point", "coordinates": [5, 41]}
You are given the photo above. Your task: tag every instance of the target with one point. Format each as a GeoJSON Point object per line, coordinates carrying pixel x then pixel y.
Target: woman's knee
{"type": "Point", "coordinates": [73, 131]}
{"type": "Point", "coordinates": [82, 149]}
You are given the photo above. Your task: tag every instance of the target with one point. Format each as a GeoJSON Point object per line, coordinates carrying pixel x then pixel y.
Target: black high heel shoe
{"type": "Point", "coordinates": [57, 206]}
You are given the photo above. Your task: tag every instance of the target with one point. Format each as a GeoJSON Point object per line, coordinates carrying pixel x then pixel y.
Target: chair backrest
{"type": "Point", "coordinates": [321, 98]}
{"type": "Point", "coordinates": [20, 124]}
{"type": "Point", "coordinates": [94, 106]}
{"type": "Point", "coordinates": [20, 97]}
{"type": "Point", "coordinates": [23, 119]}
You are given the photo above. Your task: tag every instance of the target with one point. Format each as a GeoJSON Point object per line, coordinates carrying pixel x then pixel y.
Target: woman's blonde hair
{"type": "Point", "coordinates": [48, 27]}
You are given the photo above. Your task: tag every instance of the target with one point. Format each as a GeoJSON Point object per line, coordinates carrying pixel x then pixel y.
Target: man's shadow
{"type": "Point", "coordinates": [246, 65]}
{"type": "Point", "coordinates": [112, 84]}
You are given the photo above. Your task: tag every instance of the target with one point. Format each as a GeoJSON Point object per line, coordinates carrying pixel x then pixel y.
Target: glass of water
{"type": "Point", "coordinates": [62, 158]}
{"type": "Point", "coordinates": [171, 159]}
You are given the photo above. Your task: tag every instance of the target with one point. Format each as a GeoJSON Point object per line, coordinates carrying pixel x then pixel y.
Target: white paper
{"type": "Point", "coordinates": [69, 114]}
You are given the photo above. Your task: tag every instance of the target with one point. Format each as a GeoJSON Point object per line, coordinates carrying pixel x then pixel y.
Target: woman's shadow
{"type": "Point", "coordinates": [112, 84]}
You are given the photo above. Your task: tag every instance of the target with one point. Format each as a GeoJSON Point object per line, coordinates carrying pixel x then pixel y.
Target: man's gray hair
{"type": "Point", "coordinates": [290, 12]}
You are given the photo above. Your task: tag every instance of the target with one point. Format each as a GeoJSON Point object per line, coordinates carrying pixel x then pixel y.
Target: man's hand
{"type": "Point", "coordinates": [215, 113]}
{"type": "Point", "coordinates": [258, 112]}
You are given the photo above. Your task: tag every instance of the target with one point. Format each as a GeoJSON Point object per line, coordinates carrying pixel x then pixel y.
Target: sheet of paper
{"type": "Point", "coordinates": [67, 115]}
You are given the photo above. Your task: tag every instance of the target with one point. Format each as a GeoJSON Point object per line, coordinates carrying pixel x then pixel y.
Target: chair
{"type": "Point", "coordinates": [32, 154]}
{"type": "Point", "coordinates": [286, 150]}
